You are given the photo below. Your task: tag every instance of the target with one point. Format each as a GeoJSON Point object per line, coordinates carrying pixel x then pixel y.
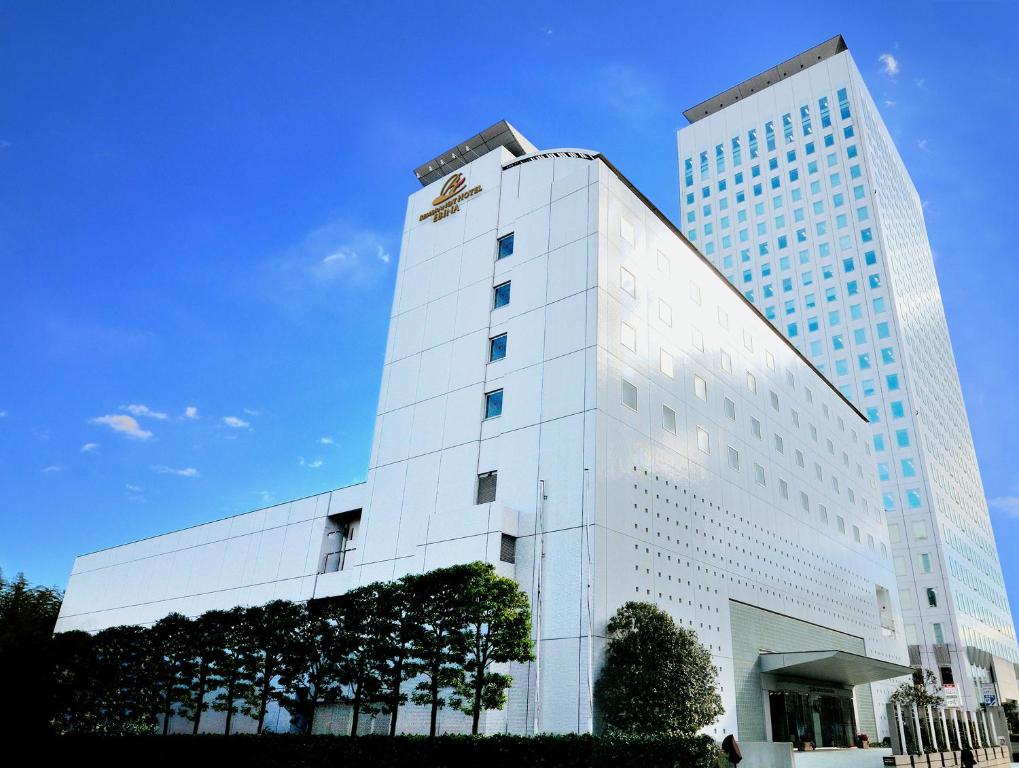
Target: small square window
{"type": "Point", "coordinates": [665, 313]}
{"type": "Point", "coordinates": [627, 281]}
{"type": "Point", "coordinates": [629, 395]}
{"type": "Point", "coordinates": [664, 265]}
{"type": "Point", "coordinates": [497, 348]}
{"type": "Point", "coordinates": [759, 475]}
{"type": "Point", "coordinates": [502, 295]}
{"type": "Point", "coordinates": [700, 387]}
{"type": "Point", "coordinates": [493, 404]}
{"type": "Point", "coordinates": [505, 246]}
{"type": "Point", "coordinates": [665, 363]}
{"type": "Point", "coordinates": [628, 336]}
{"type": "Point", "coordinates": [626, 231]}
{"type": "Point", "coordinates": [730, 409]}
{"type": "Point", "coordinates": [703, 440]}
{"type": "Point", "coordinates": [733, 458]}
{"type": "Point", "coordinates": [668, 419]}
{"type": "Point", "coordinates": [751, 382]}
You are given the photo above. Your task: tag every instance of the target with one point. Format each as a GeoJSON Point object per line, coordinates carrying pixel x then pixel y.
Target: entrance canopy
{"type": "Point", "coordinates": [832, 666]}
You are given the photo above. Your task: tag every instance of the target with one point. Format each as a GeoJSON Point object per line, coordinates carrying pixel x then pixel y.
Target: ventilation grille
{"type": "Point", "coordinates": [508, 549]}
{"type": "Point", "coordinates": [486, 487]}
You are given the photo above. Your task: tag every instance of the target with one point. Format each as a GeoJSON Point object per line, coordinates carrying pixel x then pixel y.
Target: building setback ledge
{"type": "Point", "coordinates": [832, 666]}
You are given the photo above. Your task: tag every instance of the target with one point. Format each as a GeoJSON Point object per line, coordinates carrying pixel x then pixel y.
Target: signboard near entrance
{"type": "Point", "coordinates": [990, 695]}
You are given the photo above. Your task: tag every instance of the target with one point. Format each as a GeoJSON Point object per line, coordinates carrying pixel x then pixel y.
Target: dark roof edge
{"type": "Point", "coordinates": [759, 82]}
{"type": "Point", "coordinates": [675, 230]}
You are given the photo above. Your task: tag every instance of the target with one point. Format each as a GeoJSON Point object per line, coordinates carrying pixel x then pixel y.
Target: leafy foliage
{"type": "Point", "coordinates": [27, 616]}
{"type": "Point", "coordinates": [448, 627]}
{"type": "Point", "coordinates": [657, 679]}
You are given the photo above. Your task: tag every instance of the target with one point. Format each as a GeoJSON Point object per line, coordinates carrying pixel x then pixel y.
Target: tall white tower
{"type": "Point", "coordinates": [792, 186]}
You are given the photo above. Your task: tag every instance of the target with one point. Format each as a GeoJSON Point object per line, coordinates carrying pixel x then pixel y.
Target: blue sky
{"type": "Point", "coordinates": [200, 207]}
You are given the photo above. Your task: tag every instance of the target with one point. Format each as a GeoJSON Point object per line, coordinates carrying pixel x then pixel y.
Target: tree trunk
{"type": "Point", "coordinates": [229, 706]}
{"type": "Point", "coordinates": [356, 714]}
{"type": "Point", "coordinates": [200, 697]}
{"type": "Point", "coordinates": [479, 681]}
{"type": "Point", "coordinates": [395, 703]}
{"type": "Point", "coordinates": [264, 703]}
{"type": "Point", "coordinates": [434, 690]}
{"type": "Point", "coordinates": [166, 711]}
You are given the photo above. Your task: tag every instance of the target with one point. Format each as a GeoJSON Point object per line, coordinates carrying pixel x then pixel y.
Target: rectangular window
{"type": "Point", "coordinates": [628, 336]}
{"type": "Point", "coordinates": [665, 362]}
{"type": "Point", "coordinates": [925, 563]}
{"type": "Point", "coordinates": [733, 458]}
{"type": "Point", "coordinates": [759, 475]}
{"type": "Point", "coordinates": [626, 231]}
{"type": "Point", "coordinates": [730, 409]}
{"type": "Point", "coordinates": [668, 419]}
{"type": "Point", "coordinates": [665, 313]}
{"type": "Point", "coordinates": [493, 404]}
{"type": "Point", "coordinates": [501, 294]}
{"type": "Point", "coordinates": [755, 427]}
{"type": "Point", "coordinates": [487, 482]}
{"type": "Point", "coordinates": [939, 634]}
{"type": "Point", "coordinates": [700, 387]}
{"type": "Point", "coordinates": [629, 395]}
{"type": "Point", "coordinates": [751, 382]}
{"type": "Point", "coordinates": [505, 246]}
{"type": "Point", "coordinates": [627, 281]}
{"type": "Point", "coordinates": [497, 348]}
{"type": "Point", "coordinates": [703, 440]}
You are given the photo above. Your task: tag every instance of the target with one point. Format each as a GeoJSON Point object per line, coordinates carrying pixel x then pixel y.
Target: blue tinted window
{"type": "Point", "coordinates": [497, 348]}
{"type": "Point", "coordinates": [902, 438]}
{"type": "Point", "coordinates": [505, 246]}
{"type": "Point", "coordinates": [892, 381]}
{"type": "Point", "coordinates": [502, 295]}
{"type": "Point", "coordinates": [493, 404]}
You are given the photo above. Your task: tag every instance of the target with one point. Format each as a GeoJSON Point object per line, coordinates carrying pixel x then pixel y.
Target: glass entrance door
{"type": "Point", "coordinates": [823, 719]}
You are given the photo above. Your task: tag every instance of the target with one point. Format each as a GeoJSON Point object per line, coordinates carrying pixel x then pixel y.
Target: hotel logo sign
{"type": "Point", "coordinates": [449, 199]}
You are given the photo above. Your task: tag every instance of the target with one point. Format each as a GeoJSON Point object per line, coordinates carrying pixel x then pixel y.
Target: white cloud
{"type": "Point", "coordinates": [89, 447]}
{"type": "Point", "coordinates": [191, 412]}
{"type": "Point", "coordinates": [126, 425]}
{"type": "Point", "coordinates": [922, 145]}
{"type": "Point", "coordinates": [338, 255]}
{"type": "Point", "coordinates": [52, 468]}
{"type": "Point", "coordinates": [890, 64]}
{"type": "Point", "coordinates": [134, 488]}
{"type": "Point", "coordinates": [1007, 504]}
{"type": "Point", "coordinates": [313, 464]}
{"type": "Point", "coordinates": [165, 470]}
{"type": "Point", "coordinates": [265, 497]}
{"type": "Point", "coordinates": [326, 441]}
{"type": "Point", "coordinates": [235, 423]}
{"type": "Point", "coordinates": [252, 412]}
{"type": "Point", "coordinates": [144, 410]}
{"type": "Point", "coordinates": [890, 103]}
{"type": "Point", "coordinates": [3, 414]}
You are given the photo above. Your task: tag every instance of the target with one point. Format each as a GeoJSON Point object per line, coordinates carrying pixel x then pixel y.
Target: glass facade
{"type": "Point", "coordinates": [822, 229]}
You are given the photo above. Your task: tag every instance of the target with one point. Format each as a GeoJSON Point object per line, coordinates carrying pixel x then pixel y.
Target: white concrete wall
{"type": "Point", "coordinates": [248, 559]}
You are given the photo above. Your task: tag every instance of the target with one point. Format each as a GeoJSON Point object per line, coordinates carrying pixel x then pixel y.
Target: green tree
{"type": "Point", "coordinates": [359, 649]}
{"type": "Point", "coordinates": [232, 664]}
{"type": "Point", "coordinates": [657, 678]}
{"type": "Point", "coordinates": [274, 631]}
{"type": "Point", "coordinates": [206, 642]}
{"type": "Point", "coordinates": [497, 630]}
{"type": "Point", "coordinates": [437, 615]}
{"type": "Point", "coordinates": [394, 627]}
{"type": "Point", "coordinates": [924, 691]}
{"type": "Point", "coordinates": [124, 681]}
{"type": "Point", "coordinates": [1012, 717]}
{"type": "Point", "coordinates": [308, 675]}
{"type": "Point", "coordinates": [74, 707]}
{"type": "Point", "coordinates": [172, 643]}
{"type": "Point", "coordinates": [27, 616]}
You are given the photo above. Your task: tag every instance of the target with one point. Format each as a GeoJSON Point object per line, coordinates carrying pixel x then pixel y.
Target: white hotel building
{"type": "Point", "coordinates": [792, 186]}
{"type": "Point", "coordinates": [573, 393]}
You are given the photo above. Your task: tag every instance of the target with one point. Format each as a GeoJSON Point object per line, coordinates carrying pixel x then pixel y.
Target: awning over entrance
{"type": "Point", "coordinates": [832, 666]}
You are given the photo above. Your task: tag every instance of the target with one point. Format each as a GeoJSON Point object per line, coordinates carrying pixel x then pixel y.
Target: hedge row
{"type": "Point", "coordinates": [277, 751]}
